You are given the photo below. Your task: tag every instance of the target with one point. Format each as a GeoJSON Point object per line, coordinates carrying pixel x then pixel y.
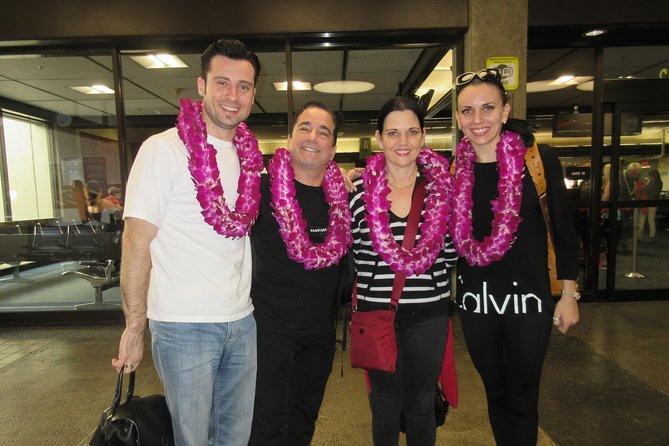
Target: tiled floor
{"type": "Point", "coordinates": [11, 351]}
{"type": "Point", "coordinates": [605, 383]}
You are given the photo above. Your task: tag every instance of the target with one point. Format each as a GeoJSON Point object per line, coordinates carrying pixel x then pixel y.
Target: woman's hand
{"type": "Point", "coordinates": [351, 176]}
{"type": "Point", "coordinates": [566, 310]}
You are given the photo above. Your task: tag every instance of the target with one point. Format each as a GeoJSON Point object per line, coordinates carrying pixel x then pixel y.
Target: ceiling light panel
{"type": "Point", "coordinates": [94, 89]}
{"type": "Point", "coordinates": [158, 61]}
{"type": "Point", "coordinates": [297, 86]}
{"type": "Point", "coordinates": [344, 87]}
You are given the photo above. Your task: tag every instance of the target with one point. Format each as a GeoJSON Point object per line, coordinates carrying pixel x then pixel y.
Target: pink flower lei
{"type": "Point", "coordinates": [292, 226]}
{"type": "Point", "coordinates": [510, 153]}
{"type": "Point", "coordinates": [206, 176]}
{"type": "Point", "coordinates": [434, 228]}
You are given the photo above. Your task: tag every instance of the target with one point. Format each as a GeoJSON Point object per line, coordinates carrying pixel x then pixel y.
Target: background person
{"type": "Point", "coordinates": [295, 307]}
{"type": "Point", "coordinates": [421, 325]}
{"type": "Point", "coordinates": [653, 188]}
{"type": "Point", "coordinates": [191, 282]}
{"type": "Point", "coordinates": [499, 232]}
{"type": "Point", "coordinates": [629, 189]}
{"type": "Point", "coordinates": [111, 206]}
{"type": "Point", "coordinates": [93, 193]}
{"type": "Point", "coordinates": [80, 200]}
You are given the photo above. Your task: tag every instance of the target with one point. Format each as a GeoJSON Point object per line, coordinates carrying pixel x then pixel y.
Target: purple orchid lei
{"type": "Point", "coordinates": [437, 210]}
{"type": "Point", "coordinates": [510, 153]}
{"type": "Point", "coordinates": [292, 225]}
{"type": "Point", "coordinates": [206, 176]}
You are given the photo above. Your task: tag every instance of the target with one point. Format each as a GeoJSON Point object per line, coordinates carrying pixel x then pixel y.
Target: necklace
{"type": "Point", "coordinates": [204, 171]}
{"type": "Point", "coordinates": [292, 226]}
{"type": "Point", "coordinates": [436, 213]}
{"type": "Point", "coordinates": [510, 153]}
{"type": "Point", "coordinates": [401, 187]}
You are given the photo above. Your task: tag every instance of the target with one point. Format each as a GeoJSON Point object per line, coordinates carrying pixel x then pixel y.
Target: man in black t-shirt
{"type": "Point", "coordinates": [294, 307]}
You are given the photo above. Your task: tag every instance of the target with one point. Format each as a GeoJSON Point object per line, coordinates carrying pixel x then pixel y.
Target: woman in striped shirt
{"type": "Point", "coordinates": [421, 323]}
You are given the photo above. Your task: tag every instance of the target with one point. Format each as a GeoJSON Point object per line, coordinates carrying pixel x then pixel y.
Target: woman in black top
{"type": "Point", "coordinates": [503, 288]}
{"type": "Point", "coordinates": [421, 325]}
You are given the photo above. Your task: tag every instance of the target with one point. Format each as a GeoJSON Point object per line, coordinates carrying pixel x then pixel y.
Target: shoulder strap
{"type": "Point", "coordinates": [536, 168]}
{"type": "Point", "coordinates": [408, 242]}
{"type": "Point", "coordinates": [409, 239]}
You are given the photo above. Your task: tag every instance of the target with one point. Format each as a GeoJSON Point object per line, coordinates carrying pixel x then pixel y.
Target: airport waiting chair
{"type": "Point", "coordinates": [49, 242]}
{"type": "Point", "coordinates": [13, 248]}
{"type": "Point", "coordinates": [101, 276]}
{"type": "Point", "coordinates": [83, 242]}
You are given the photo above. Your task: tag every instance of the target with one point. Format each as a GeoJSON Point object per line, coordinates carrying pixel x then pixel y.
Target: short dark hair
{"type": "Point", "coordinates": [316, 104]}
{"type": "Point", "coordinates": [400, 103]}
{"type": "Point", "coordinates": [232, 49]}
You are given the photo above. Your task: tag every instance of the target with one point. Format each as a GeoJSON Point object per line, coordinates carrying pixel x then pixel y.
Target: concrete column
{"type": "Point", "coordinates": [498, 28]}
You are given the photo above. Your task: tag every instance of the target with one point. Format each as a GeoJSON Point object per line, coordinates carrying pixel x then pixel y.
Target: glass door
{"type": "Point", "coordinates": [635, 201]}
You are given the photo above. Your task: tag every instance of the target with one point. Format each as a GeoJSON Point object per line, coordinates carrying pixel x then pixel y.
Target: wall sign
{"type": "Point", "coordinates": [577, 172]}
{"type": "Point", "coordinates": [508, 67]}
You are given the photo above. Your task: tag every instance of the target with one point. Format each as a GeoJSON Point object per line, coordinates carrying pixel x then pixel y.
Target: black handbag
{"type": "Point", "coordinates": [137, 421]}
{"type": "Point", "coordinates": [440, 411]}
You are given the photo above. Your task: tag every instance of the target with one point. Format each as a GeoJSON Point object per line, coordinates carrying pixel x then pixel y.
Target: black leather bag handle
{"type": "Point", "coordinates": [119, 388]}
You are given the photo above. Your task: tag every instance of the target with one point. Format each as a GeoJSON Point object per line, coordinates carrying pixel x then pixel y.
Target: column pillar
{"type": "Point", "coordinates": [498, 28]}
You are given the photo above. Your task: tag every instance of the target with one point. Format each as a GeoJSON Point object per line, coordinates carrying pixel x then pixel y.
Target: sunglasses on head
{"type": "Point", "coordinates": [487, 74]}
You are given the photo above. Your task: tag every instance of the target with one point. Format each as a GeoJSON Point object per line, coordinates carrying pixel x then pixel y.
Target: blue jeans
{"type": "Point", "coordinates": [208, 371]}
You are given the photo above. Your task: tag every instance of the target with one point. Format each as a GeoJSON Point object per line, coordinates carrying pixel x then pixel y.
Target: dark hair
{"type": "Point", "coordinates": [232, 49]}
{"type": "Point", "coordinates": [400, 103]}
{"type": "Point", "coordinates": [316, 104]}
{"type": "Point", "coordinates": [497, 82]}
{"type": "Point", "coordinates": [523, 128]}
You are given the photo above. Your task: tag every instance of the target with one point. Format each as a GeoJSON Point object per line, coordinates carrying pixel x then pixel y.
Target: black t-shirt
{"type": "Point", "coordinates": [286, 296]}
{"type": "Point", "coordinates": [519, 283]}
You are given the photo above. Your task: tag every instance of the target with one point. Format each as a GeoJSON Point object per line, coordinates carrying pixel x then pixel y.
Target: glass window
{"type": "Point", "coordinates": [28, 157]}
{"type": "Point", "coordinates": [60, 157]}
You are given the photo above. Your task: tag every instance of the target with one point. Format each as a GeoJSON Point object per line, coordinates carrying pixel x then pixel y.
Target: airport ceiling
{"type": "Point", "coordinates": [44, 81]}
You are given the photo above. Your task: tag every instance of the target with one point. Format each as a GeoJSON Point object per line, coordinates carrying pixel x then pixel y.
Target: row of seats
{"type": "Point", "coordinates": [95, 248]}
{"type": "Point", "coordinates": [72, 242]}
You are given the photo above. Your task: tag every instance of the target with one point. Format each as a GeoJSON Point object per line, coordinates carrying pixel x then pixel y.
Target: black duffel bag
{"type": "Point", "coordinates": [135, 422]}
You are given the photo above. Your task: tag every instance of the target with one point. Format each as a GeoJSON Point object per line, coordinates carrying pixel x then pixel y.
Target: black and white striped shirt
{"type": "Point", "coordinates": [375, 278]}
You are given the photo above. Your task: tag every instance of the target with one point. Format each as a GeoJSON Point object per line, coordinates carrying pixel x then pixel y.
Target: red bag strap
{"type": "Point", "coordinates": [409, 239]}
{"type": "Point", "coordinates": [408, 242]}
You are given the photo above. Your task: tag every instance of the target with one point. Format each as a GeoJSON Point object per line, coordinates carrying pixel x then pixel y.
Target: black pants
{"type": "Point", "coordinates": [508, 351]}
{"type": "Point", "coordinates": [293, 371]}
{"type": "Point", "coordinates": [421, 344]}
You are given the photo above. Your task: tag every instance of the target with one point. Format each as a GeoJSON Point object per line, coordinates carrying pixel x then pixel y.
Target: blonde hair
{"type": "Point", "coordinates": [606, 173]}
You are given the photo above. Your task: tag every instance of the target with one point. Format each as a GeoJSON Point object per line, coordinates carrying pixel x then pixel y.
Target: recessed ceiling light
{"type": "Point", "coordinates": [297, 85]}
{"type": "Point", "coordinates": [557, 84]}
{"type": "Point", "coordinates": [94, 89]}
{"type": "Point", "coordinates": [564, 79]}
{"type": "Point", "coordinates": [594, 32]}
{"type": "Point", "coordinates": [343, 87]}
{"type": "Point", "coordinates": [154, 61]}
